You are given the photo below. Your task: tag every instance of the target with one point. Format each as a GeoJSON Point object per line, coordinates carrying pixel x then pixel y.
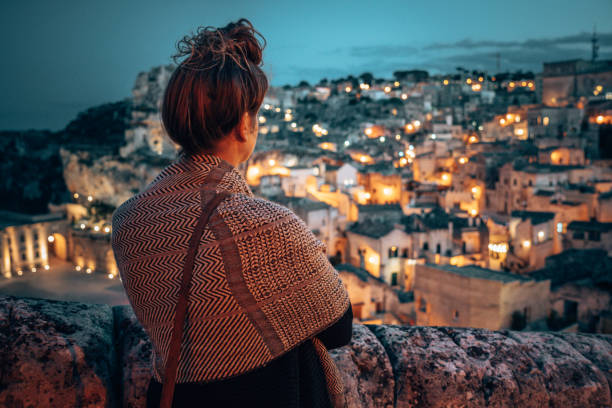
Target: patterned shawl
{"type": "Point", "coordinates": [261, 285]}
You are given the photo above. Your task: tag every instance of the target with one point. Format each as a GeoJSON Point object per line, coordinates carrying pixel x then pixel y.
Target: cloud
{"type": "Point", "coordinates": [384, 59]}
{"type": "Point", "coordinates": [381, 50]}
{"type": "Point", "coordinates": [584, 38]}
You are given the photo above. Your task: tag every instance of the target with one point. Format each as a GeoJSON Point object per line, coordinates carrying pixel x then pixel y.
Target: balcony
{"type": "Point", "coordinates": [65, 354]}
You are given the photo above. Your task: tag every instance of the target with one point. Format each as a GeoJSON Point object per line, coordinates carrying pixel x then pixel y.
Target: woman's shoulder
{"type": "Point", "coordinates": [246, 212]}
{"type": "Point", "coordinates": [257, 209]}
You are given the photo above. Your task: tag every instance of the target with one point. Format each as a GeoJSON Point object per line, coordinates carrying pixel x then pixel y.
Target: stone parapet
{"type": "Point", "coordinates": [65, 354]}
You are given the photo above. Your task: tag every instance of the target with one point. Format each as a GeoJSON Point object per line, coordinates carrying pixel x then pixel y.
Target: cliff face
{"type": "Point", "coordinates": [109, 179]}
{"type": "Point", "coordinates": [114, 150]}
{"type": "Point", "coordinates": [55, 353]}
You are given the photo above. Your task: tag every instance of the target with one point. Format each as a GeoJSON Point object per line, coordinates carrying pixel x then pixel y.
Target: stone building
{"type": "Point", "coordinates": [533, 238]}
{"type": "Point", "coordinates": [580, 281]}
{"type": "Point", "coordinates": [471, 296]}
{"type": "Point", "coordinates": [28, 241]}
{"type": "Point", "coordinates": [382, 184]}
{"type": "Point", "coordinates": [565, 82]}
{"type": "Point", "coordinates": [589, 235]}
{"type": "Point", "coordinates": [320, 217]}
{"type": "Point", "coordinates": [373, 300]}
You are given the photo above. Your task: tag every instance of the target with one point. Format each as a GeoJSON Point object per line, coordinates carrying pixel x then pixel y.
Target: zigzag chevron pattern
{"type": "Point", "coordinates": [261, 282]}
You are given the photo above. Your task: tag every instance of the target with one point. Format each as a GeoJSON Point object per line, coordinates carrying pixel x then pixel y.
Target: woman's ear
{"type": "Point", "coordinates": [243, 128]}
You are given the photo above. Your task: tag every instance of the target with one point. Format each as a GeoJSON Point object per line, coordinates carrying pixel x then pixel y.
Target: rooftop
{"type": "Point", "coordinates": [10, 218]}
{"type": "Point", "coordinates": [373, 228]}
{"type": "Point", "coordinates": [590, 226]}
{"type": "Point", "coordinates": [300, 203]}
{"type": "Point", "coordinates": [359, 272]}
{"type": "Point", "coordinates": [536, 217]}
{"type": "Point", "coordinates": [573, 265]}
{"type": "Point", "coordinates": [476, 272]}
{"type": "Point", "coordinates": [544, 168]}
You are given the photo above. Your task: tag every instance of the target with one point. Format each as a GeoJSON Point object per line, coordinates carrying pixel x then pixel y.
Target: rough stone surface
{"type": "Point", "coordinates": [595, 348]}
{"type": "Point", "coordinates": [462, 367]}
{"type": "Point", "coordinates": [133, 355]}
{"type": "Point", "coordinates": [55, 354]}
{"type": "Point", "coordinates": [365, 369]}
{"type": "Point", "coordinates": [571, 380]}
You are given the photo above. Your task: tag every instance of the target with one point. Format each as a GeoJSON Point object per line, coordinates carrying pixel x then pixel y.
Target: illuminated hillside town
{"type": "Point", "coordinates": [467, 199]}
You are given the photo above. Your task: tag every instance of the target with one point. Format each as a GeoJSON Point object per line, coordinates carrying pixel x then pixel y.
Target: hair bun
{"type": "Point", "coordinates": [210, 47]}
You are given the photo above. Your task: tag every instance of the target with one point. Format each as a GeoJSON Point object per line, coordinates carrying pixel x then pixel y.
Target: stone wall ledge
{"type": "Point", "coordinates": [72, 354]}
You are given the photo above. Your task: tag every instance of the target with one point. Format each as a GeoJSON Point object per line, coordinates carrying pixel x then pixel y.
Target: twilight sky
{"type": "Point", "coordinates": [61, 57]}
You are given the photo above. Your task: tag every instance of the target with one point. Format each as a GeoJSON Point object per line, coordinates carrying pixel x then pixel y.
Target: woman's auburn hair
{"type": "Point", "coordinates": [210, 90]}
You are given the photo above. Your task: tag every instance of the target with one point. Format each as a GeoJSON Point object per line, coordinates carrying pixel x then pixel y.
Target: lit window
{"type": "Point", "coordinates": [559, 227]}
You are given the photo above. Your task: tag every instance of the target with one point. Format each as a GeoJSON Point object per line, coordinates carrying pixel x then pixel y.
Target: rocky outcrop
{"type": "Point", "coordinates": [56, 354]}
{"type": "Point", "coordinates": [112, 165]}
{"type": "Point", "coordinates": [74, 354]}
{"type": "Point", "coordinates": [441, 366]}
{"type": "Point", "coordinates": [109, 179]}
{"type": "Point", "coordinates": [134, 357]}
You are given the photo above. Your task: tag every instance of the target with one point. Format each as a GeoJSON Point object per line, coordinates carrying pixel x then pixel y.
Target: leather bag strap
{"type": "Point", "coordinates": [170, 370]}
